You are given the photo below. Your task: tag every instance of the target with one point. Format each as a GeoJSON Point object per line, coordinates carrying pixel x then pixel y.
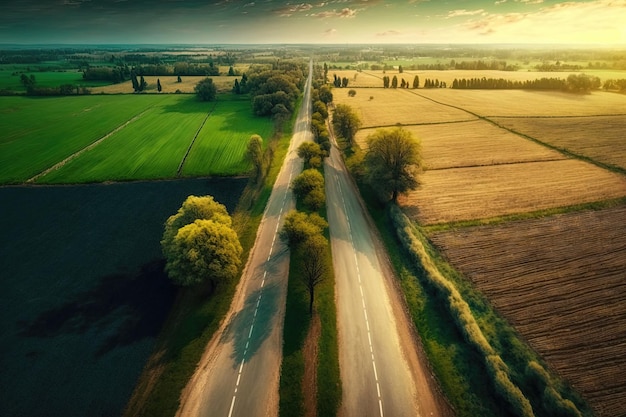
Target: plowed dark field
{"type": "Point", "coordinates": [562, 282]}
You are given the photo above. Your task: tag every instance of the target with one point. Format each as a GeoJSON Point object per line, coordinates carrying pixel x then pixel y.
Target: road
{"type": "Point", "coordinates": [382, 370]}
{"type": "Point", "coordinates": [239, 372]}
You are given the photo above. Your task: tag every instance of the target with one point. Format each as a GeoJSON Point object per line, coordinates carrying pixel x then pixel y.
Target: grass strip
{"type": "Point", "coordinates": [195, 316]}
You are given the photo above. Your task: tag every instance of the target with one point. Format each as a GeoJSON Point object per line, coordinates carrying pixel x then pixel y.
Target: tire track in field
{"type": "Point", "coordinates": [86, 148]}
{"type": "Point", "coordinates": [182, 162]}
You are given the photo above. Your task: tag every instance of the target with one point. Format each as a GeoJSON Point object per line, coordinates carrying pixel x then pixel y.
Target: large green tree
{"type": "Point", "coordinates": [314, 267]}
{"type": "Point", "coordinates": [345, 122]}
{"type": "Point", "coordinates": [392, 162]}
{"type": "Point", "coordinates": [206, 90]}
{"type": "Point", "coordinates": [199, 243]}
{"type": "Point", "coordinates": [309, 188]}
{"type": "Point", "coordinates": [299, 226]}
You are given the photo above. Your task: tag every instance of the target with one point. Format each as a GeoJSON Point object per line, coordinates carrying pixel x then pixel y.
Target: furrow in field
{"type": "Point", "coordinates": [561, 281]}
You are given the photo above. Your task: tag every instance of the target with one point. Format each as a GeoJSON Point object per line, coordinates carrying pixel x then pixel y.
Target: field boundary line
{"type": "Point", "coordinates": [418, 124]}
{"type": "Point", "coordinates": [536, 161]}
{"type": "Point", "coordinates": [86, 148]}
{"type": "Point", "coordinates": [182, 162]}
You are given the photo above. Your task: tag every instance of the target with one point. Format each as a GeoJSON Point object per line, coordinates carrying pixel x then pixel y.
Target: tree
{"type": "Point", "coordinates": [299, 226]}
{"type": "Point", "coordinates": [386, 81]}
{"type": "Point", "coordinates": [392, 162]}
{"type": "Point", "coordinates": [345, 122]}
{"type": "Point", "coordinates": [159, 88]}
{"type": "Point", "coordinates": [311, 153]}
{"type": "Point", "coordinates": [326, 96]}
{"type": "Point", "coordinates": [237, 87]}
{"type": "Point", "coordinates": [179, 80]}
{"type": "Point", "coordinates": [142, 83]}
{"type": "Point", "coordinates": [314, 267]}
{"type": "Point", "coordinates": [416, 82]}
{"type": "Point", "coordinates": [352, 93]}
{"type": "Point", "coordinates": [400, 69]}
{"type": "Point", "coordinates": [231, 71]}
{"type": "Point", "coordinates": [254, 154]}
{"type": "Point", "coordinates": [206, 90]}
{"type": "Point", "coordinates": [199, 243]}
{"type": "Point", "coordinates": [309, 188]}
{"type": "Point", "coordinates": [394, 82]}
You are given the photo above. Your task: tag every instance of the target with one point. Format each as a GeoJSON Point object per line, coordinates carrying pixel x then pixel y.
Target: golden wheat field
{"type": "Point", "coordinates": [388, 107]}
{"type": "Point", "coordinates": [169, 84]}
{"type": "Point", "coordinates": [526, 103]}
{"type": "Point", "coordinates": [562, 282]}
{"type": "Point", "coordinates": [448, 195]}
{"type": "Point", "coordinates": [471, 143]}
{"type": "Point", "coordinates": [601, 138]}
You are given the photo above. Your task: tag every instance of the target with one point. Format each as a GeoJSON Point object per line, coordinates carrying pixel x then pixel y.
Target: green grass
{"type": "Point", "coordinates": [39, 132]}
{"type": "Point", "coordinates": [221, 144]}
{"type": "Point", "coordinates": [11, 82]}
{"type": "Point", "coordinates": [148, 148]}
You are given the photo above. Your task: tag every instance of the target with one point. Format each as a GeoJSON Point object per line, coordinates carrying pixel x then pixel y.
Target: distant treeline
{"type": "Point", "coordinates": [122, 73]}
{"type": "Point", "coordinates": [577, 83]}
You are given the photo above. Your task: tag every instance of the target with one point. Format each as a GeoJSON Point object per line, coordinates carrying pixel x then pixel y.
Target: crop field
{"type": "Point", "coordinates": [39, 132]}
{"type": "Point", "coordinates": [448, 195]}
{"type": "Point", "coordinates": [561, 281]}
{"type": "Point", "coordinates": [525, 103]}
{"type": "Point", "coordinates": [601, 138]}
{"type": "Point", "coordinates": [147, 140]}
{"type": "Point", "coordinates": [221, 144]}
{"type": "Point", "coordinates": [84, 294]}
{"type": "Point", "coordinates": [10, 78]}
{"type": "Point", "coordinates": [169, 84]}
{"type": "Point", "coordinates": [388, 107]}
{"type": "Point", "coordinates": [470, 144]}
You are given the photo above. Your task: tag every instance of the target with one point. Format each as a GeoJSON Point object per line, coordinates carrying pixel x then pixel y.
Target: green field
{"type": "Point", "coordinates": [84, 294]}
{"type": "Point", "coordinates": [10, 78]}
{"type": "Point", "coordinates": [155, 132]}
{"type": "Point", "coordinates": [221, 144]}
{"type": "Point", "coordinates": [39, 132]}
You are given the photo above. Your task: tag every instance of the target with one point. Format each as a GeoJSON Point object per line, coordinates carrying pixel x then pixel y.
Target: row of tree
{"type": "Point", "coordinates": [576, 83]}
{"type": "Point", "coordinates": [32, 89]}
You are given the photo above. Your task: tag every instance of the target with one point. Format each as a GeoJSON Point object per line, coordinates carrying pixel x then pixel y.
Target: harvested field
{"type": "Point", "coordinates": [600, 138]}
{"type": "Point", "coordinates": [457, 194]}
{"type": "Point", "coordinates": [562, 282]}
{"type": "Point", "coordinates": [169, 84]}
{"type": "Point", "coordinates": [525, 103]}
{"type": "Point", "coordinates": [389, 107]}
{"type": "Point", "coordinates": [472, 143]}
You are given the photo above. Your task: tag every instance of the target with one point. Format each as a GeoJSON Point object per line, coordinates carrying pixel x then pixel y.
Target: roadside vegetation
{"type": "Point", "coordinates": [310, 381]}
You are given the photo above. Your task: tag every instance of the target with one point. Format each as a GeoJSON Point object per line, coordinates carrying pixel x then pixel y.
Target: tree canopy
{"type": "Point", "coordinates": [345, 122]}
{"type": "Point", "coordinates": [199, 243]}
{"type": "Point", "coordinates": [254, 154]}
{"type": "Point", "coordinates": [299, 226]}
{"type": "Point", "coordinates": [309, 188]}
{"type": "Point", "coordinates": [392, 162]}
{"type": "Point", "coordinates": [206, 90]}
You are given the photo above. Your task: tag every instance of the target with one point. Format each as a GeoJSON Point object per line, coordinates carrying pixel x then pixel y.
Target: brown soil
{"type": "Point", "coordinates": [562, 282]}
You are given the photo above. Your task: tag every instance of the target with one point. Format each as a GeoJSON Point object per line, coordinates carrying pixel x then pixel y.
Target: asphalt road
{"type": "Point", "coordinates": [239, 373]}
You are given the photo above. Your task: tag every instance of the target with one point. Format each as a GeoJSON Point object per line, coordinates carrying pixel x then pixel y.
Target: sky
{"type": "Point", "coordinates": [319, 21]}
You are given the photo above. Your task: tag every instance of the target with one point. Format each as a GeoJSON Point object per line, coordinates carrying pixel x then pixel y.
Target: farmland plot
{"type": "Point", "coordinates": [525, 103]}
{"type": "Point", "coordinates": [149, 148]}
{"type": "Point", "coordinates": [601, 138]}
{"type": "Point", "coordinates": [562, 282]}
{"type": "Point", "coordinates": [388, 107]}
{"type": "Point", "coordinates": [221, 144]}
{"type": "Point", "coordinates": [39, 132]}
{"type": "Point", "coordinates": [457, 194]}
{"type": "Point", "coordinates": [169, 84]}
{"type": "Point", "coordinates": [472, 143]}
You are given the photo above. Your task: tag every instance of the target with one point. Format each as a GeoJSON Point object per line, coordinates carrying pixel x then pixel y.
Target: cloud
{"type": "Point", "coordinates": [596, 21]}
{"type": "Point", "coordinates": [463, 12]}
{"type": "Point", "coordinates": [329, 32]}
{"type": "Point", "coordinates": [345, 12]}
{"type": "Point", "coordinates": [290, 9]}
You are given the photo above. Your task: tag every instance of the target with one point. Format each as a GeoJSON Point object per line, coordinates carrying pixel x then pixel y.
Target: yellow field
{"type": "Point", "coordinates": [388, 107]}
{"type": "Point", "coordinates": [600, 138]}
{"type": "Point", "coordinates": [457, 194]}
{"type": "Point", "coordinates": [169, 84]}
{"type": "Point", "coordinates": [472, 143]}
{"type": "Point", "coordinates": [525, 103]}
